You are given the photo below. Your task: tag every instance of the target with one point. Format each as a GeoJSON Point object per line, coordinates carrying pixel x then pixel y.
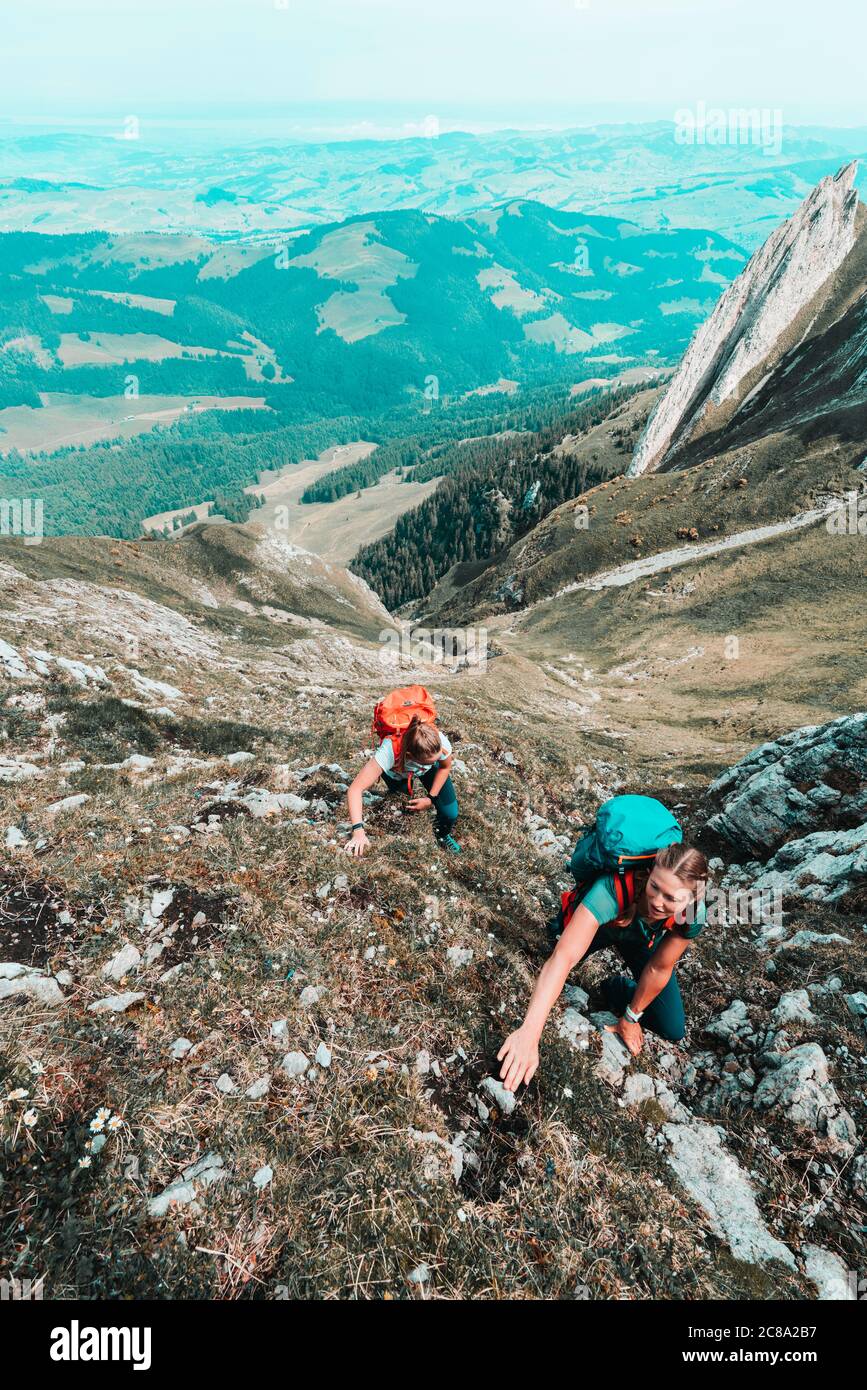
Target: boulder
{"type": "Point", "coordinates": [812, 779]}
{"type": "Point", "coordinates": [798, 1083]}
{"type": "Point", "coordinates": [829, 1274]}
{"type": "Point", "coordinates": [820, 867]}
{"type": "Point", "coordinates": [721, 1188]}
{"type": "Point", "coordinates": [27, 980]}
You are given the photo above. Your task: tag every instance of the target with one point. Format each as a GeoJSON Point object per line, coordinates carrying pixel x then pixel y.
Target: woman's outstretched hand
{"type": "Point", "coordinates": [630, 1033]}
{"type": "Point", "coordinates": [419, 803]}
{"type": "Point", "coordinates": [357, 844]}
{"type": "Point", "coordinates": [520, 1058]}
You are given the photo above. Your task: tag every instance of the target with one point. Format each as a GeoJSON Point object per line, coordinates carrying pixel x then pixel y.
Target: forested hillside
{"type": "Point", "coordinates": [143, 374]}
{"type": "Point", "coordinates": [495, 491]}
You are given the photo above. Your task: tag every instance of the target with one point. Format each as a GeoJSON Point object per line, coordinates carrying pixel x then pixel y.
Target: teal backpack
{"type": "Point", "coordinates": [628, 833]}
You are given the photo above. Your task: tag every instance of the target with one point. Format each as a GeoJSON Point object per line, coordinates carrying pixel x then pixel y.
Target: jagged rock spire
{"type": "Point", "coordinates": [754, 314]}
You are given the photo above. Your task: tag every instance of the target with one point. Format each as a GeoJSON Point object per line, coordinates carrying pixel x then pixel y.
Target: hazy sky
{"type": "Point", "coordinates": [513, 55]}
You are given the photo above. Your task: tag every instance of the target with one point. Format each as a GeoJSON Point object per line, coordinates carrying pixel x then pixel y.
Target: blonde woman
{"type": "Point", "coordinates": [666, 913]}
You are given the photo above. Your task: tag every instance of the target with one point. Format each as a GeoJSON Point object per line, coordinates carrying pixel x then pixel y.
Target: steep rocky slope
{"type": "Point", "coordinates": [220, 1035]}
{"type": "Point", "coordinates": [770, 308]}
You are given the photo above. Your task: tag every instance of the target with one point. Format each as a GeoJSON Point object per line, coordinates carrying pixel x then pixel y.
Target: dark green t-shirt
{"type": "Point", "coordinates": [601, 902]}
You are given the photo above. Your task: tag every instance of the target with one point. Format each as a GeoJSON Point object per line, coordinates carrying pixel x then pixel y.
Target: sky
{"type": "Point", "coordinates": [469, 62]}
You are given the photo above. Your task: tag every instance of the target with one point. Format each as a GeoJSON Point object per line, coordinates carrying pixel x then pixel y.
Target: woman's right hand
{"type": "Point", "coordinates": [358, 844]}
{"type": "Point", "coordinates": [520, 1058]}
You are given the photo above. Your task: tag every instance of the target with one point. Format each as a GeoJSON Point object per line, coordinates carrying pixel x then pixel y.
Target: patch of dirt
{"type": "Point", "coordinates": [497, 1142]}
{"type": "Point", "coordinates": [30, 929]}
{"type": "Point", "coordinates": [186, 905]}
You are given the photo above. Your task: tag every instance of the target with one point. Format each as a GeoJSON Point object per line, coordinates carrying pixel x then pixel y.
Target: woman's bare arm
{"type": "Point", "coordinates": [365, 779]}
{"type": "Point", "coordinates": [520, 1052]}
{"type": "Point", "coordinates": [651, 982]}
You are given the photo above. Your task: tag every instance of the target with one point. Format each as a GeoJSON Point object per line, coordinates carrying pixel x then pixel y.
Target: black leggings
{"type": "Point", "coordinates": [445, 802]}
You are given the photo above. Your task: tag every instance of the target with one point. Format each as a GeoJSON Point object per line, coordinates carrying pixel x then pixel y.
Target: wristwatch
{"type": "Point", "coordinates": [632, 1015]}
{"type": "Point", "coordinates": [357, 825]}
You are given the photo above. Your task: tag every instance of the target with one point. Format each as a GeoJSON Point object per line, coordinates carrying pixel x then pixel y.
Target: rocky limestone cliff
{"type": "Point", "coordinates": [755, 316]}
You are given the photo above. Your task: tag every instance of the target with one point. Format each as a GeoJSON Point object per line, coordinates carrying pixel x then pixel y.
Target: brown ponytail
{"type": "Point", "coordinates": [421, 742]}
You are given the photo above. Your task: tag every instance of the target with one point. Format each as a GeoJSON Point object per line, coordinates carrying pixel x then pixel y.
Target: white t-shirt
{"type": "Point", "coordinates": [384, 755]}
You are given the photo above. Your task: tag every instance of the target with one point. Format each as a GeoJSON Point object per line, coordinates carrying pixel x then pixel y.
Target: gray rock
{"type": "Point", "coordinates": [116, 1003]}
{"type": "Point", "coordinates": [801, 1087]}
{"type": "Point", "coordinates": [295, 1063]}
{"type": "Point", "coordinates": [794, 1007]}
{"type": "Point", "coordinates": [309, 996]}
{"type": "Point", "coordinates": [420, 1275]}
{"type": "Point", "coordinates": [263, 1177]}
{"type": "Point", "coordinates": [503, 1099]}
{"type": "Point", "coordinates": [179, 1048]}
{"type": "Point", "coordinates": [829, 1274]}
{"type": "Point", "coordinates": [459, 956]}
{"type": "Point", "coordinates": [615, 1058]}
{"type": "Point", "coordinates": [733, 1024]}
{"type": "Point", "coordinates": [771, 792]}
{"type": "Point", "coordinates": [811, 938]}
{"type": "Point", "coordinates": [454, 1154]}
{"type": "Point", "coordinates": [603, 1019]}
{"type": "Point", "coordinates": [422, 1063]}
{"type": "Point", "coordinates": [185, 1189]}
{"type": "Point", "coordinates": [68, 803]}
{"type": "Point", "coordinates": [323, 1055]}
{"type": "Point", "coordinates": [14, 839]}
{"type": "Point", "coordinates": [857, 1004]}
{"type": "Point", "coordinates": [575, 1028]}
{"type": "Point", "coordinates": [35, 984]}
{"type": "Point", "coordinates": [259, 1088]}
{"type": "Point", "coordinates": [637, 1088]}
{"type": "Point", "coordinates": [125, 960]}
{"type": "Point", "coordinates": [719, 1185]}
{"type": "Point", "coordinates": [575, 995]}
{"type": "Point", "coordinates": [820, 867]}
{"type": "Point", "coordinates": [226, 1084]}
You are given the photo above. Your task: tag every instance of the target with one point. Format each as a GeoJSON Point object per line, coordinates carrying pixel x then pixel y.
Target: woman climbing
{"type": "Point", "coordinates": [649, 915]}
{"type": "Point", "coordinates": [412, 753]}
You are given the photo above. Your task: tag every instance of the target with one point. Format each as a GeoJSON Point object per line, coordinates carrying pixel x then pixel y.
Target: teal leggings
{"type": "Point", "coordinates": [665, 1015]}
{"type": "Point", "coordinates": [445, 803]}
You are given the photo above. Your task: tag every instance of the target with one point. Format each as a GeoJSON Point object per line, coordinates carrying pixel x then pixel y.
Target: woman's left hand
{"type": "Point", "coordinates": [630, 1033]}
{"type": "Point", "coordinates": [419, 803]}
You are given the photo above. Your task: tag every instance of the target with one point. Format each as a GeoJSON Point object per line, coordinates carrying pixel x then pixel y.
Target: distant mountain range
{"type": "Point", "coordinates": [641, 172]}
{"type": "Point", "coordinates": [762, 426]}
{"type": "Point", "coordinates": [357, 316]}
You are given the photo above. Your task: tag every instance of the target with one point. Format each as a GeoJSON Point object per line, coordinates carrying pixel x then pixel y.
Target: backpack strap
{"type": "Point", "coordinates": [624, 890]}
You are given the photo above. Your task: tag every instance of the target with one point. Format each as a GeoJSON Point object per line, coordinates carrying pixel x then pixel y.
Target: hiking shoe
{"type": "Point", "coordinates": [447, 842]}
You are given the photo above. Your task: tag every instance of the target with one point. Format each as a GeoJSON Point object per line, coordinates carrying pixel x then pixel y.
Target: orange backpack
{"type": "Point", "coordinates": [394, 714]}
